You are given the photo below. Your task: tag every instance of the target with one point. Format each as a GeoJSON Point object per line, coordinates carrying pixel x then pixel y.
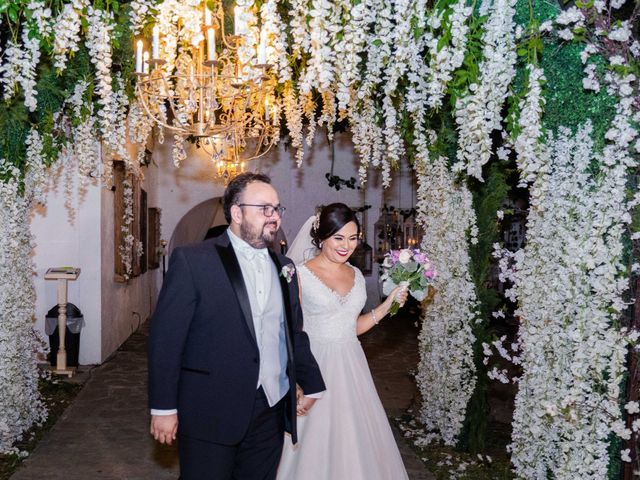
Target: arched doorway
{"type": "Point", "coordinates": [195, 224]}
{"type": "Point", "coordinates": [206, 220]}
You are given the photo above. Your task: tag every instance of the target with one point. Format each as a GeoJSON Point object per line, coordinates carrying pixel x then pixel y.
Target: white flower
{"type": "Point", "coordinates": [569, 16]}
{"type": "Point", "coordinates": [405, 256]}
{"type": "Point", "coordinates": [531, 152]}
{"type": "Point", "coordinates": [140, 10]}
{"type": "Point", "coordinates": [590, 82]}
{"type": "Point", "coordinates": [565, 34]}
{"type": "Point", "coordinates": [288, 271]}
{"type": "Point", "coordinates": [67, 37]}
{"type": "Point", "coordinates": [617, 60]}
{"type": "Point", "coordinates": [632, 408]}
{"type": "Point", "coordinates": [621, 33]}
{"type": "Point", "coordinates": [546, 26]}
{"type": "Point", "coordinates": [20, 401]}
{"type": "Point", "coordinates": [590, 49]}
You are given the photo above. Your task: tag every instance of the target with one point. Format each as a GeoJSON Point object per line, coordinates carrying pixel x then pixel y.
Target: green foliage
{"type": "Point", "coordinates": [469, 72]}
{"type": "Point", "coordinates": [51, 93]}
{"type": "Point", "coordinates": [54, 87]}
{"type": "Point", "coordinates": [568, 104]}
{"type": "Point", "coordinates": [122, 43]}
{"type": "Point", "coordinates": [13, 135]}
{"type": "Point", "coordinates": [538, 11]}
{"type": "Point", "coordinates": [488, 197]}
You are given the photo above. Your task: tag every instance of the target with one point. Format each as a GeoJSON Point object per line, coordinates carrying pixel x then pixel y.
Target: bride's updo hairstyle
{"type": "Point", "coordinates": [331, 220]}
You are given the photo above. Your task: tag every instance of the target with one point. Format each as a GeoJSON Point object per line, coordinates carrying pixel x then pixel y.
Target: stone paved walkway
{"type": "Point", "coordinates": [103, 435]}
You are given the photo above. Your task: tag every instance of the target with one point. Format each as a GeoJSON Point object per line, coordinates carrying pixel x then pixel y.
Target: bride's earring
{"type": "Point", "coordinates": [320, 245]}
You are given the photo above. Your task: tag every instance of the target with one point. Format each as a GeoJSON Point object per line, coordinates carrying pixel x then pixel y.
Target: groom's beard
{"type": "Point", "coordinates": [259, 237]}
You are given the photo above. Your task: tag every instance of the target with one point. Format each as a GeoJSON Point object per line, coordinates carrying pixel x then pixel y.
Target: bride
{"type": "Point", "coordinates": [346, 435]}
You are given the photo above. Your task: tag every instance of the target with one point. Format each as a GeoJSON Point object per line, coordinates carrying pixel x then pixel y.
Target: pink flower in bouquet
{"type": "Point", "coordinates": [420, 257]}
{"type": "Point", "coordinates": [430, 274]}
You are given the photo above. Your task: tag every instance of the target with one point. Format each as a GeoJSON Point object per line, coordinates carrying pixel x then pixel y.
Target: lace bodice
{"type": "Point", "coordinates": [329, 316]}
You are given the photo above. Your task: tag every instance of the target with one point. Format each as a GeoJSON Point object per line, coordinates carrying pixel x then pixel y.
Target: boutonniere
{"type": "Point", "coordinates": [288, 271]}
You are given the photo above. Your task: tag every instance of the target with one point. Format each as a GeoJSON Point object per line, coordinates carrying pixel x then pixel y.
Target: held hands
{"type": "Point", "coordinates": [164, 428]}
{"type": "Point", "coordinates": [304, 404]}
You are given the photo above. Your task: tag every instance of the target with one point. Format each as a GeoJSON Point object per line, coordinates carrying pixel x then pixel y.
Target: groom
{"type": "Point", "coordinates": [226, 347]}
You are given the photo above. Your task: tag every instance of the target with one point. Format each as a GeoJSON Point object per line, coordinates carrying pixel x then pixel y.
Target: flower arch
{"type": "Point", "coordinates": [460, 90]}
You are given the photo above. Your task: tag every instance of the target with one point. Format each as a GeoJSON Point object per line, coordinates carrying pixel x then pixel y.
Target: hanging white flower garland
{"type": "Point", "coordinates": [372, 47]}
{"type": "Point", "coordinates": [20, 401]}
{"type": "Point", "coordinates": [569, 282]}
{"type": "Point", "coordinates": [479, 113]}
{"type": "Point", "coordinates": [20, 404]}
{"type": "Point", "coordinates": [528, 145]}
{"type": "Point", "coordinates": [446, 371]}
{"type": "Point", "coordinates": [67, 38]}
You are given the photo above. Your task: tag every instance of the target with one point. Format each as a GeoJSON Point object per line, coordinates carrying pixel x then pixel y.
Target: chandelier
{"type": "Point", "coordinates": [226, 161]}
{"type": "Point", "coordinates": [216, 90]}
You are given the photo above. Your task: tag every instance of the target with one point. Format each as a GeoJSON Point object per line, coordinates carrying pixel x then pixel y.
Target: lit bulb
{"type": "Point", "coordinates": [139, 46]}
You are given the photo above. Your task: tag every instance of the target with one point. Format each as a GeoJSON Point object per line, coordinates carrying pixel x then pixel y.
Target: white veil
{"type": "Point", "coordinates": [301, 249]}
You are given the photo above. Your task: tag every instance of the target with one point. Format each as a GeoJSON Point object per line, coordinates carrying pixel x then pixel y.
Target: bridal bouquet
{"type": "Point", "coordinates": [409, 267]}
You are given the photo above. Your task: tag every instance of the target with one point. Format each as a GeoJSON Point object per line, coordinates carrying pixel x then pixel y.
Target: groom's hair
{"type": "Point", "coordinates": [235, 188]}
{"type": "Point", "coordinates": [332, 218]}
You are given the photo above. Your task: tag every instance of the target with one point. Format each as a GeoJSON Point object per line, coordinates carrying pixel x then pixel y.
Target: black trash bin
{"type": "Point", "coordinates": [75, 322]}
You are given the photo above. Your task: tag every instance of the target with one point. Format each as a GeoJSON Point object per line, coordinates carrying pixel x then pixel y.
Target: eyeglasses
{"type": "Point", "coordinates": [267, 210]}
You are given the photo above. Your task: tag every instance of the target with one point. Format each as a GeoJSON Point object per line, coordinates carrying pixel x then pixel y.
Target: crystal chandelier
{"type": "Point", "coordinates": [211, 91]}
{"type": "Point", "coordinates": [226, 161]}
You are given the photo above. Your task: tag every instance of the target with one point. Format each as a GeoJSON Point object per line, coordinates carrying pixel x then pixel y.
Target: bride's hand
{"type": "Point", "coordinates": [399, 294]}
{"type": "Point", "coordinates": [304, 404]}
{"type": "Point", "coordinates": [299, 393]}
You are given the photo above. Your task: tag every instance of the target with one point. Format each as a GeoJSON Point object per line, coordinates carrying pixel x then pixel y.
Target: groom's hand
{"type": "Point", "coordinates": [304, 405]}
{"type": "Point", "coordinates": [164, 428]}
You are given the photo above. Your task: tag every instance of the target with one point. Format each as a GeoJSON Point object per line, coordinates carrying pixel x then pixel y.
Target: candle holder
{"type": "Point", "coordinates": [212, 92]}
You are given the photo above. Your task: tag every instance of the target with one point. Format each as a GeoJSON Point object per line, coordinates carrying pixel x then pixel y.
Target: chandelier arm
{"type": "Point", "coordinates": [154, 117]}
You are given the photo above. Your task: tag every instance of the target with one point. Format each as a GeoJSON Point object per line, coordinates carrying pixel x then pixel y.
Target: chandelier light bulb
{"type": "Point", "coordinates": [155, 43]}
{"type": "Point", "coordinates": [139, 46]}
{"type": "Point", "coordinates": [238, 27]}
{"type": "Point", "coordinates": [211, 44]}
{"type": "Point", "coordinates": [145, 62]}
{"type": "Point", "coordinates": [207, 16]}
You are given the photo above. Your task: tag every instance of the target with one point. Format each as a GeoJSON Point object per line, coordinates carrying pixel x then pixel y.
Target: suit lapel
{"type": "Point", "coordinates": [286, 298]}
{"type": "Point", "coordinates": [232, 267]}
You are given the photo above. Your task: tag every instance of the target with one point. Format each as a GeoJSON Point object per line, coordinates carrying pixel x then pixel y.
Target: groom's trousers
{"type": "Point", "coordinates": [256, 457]}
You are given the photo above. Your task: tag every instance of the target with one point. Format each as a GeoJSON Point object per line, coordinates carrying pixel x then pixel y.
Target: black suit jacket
{"type": "Point", "coordinates": [203, 355]}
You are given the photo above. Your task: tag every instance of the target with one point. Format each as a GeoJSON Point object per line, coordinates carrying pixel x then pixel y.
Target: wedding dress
{"type": "Point", "coordinates": [346, 434]}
